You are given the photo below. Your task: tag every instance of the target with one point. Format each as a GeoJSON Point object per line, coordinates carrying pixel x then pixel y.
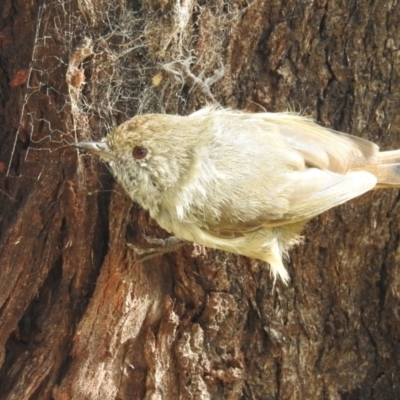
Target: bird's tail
{"type": "Point", "coordinates": [387, 170]}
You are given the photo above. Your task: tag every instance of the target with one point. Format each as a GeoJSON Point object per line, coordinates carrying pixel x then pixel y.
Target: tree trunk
{"type": "Point", "coordinates": [80, 317]}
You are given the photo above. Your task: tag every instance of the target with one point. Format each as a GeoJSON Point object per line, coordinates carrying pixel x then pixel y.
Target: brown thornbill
{"type": "Point", "coordinates": [244, 183]}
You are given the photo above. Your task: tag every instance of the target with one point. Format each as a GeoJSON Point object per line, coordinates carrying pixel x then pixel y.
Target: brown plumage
{"type": "Point", "coordinates": [244, 183]}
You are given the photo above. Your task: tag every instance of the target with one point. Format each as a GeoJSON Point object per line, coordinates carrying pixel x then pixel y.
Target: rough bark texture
{"type": "Point", "coordinates": [79, 317]}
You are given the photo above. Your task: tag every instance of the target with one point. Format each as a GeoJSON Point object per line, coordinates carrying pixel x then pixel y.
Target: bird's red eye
{"type": "Point", "coordinates": [139, 152]}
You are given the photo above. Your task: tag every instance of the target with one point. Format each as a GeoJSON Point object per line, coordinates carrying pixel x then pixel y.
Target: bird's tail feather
{"type": "Point", "coordinates": [387, 170]}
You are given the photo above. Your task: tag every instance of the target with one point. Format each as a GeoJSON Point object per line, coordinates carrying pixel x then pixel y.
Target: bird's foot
{"type": "Point", "coordinates": [159, 247]}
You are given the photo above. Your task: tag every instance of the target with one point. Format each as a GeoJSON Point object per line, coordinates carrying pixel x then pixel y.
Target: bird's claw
{"type": "Point", "coordinates": [161, 246]}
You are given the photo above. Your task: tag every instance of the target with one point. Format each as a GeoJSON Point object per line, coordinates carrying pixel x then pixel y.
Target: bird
{"type": "Point", "coordinates": [245, 183]}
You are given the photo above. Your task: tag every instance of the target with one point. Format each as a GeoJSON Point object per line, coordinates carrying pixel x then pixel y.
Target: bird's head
{"type": "Point", "coordinates": [148, 155]}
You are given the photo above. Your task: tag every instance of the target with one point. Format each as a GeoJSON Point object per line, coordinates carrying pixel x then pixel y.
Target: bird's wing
{"type": "Point", "coordinates": [314, 191]}
{"type": "Point", "coordinates": [320, 147]}
{"type": "Point", "coordinates": [291, 170]}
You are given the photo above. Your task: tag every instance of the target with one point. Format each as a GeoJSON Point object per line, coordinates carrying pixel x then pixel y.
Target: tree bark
{"type": "Point", "coordinates": [80, 317]}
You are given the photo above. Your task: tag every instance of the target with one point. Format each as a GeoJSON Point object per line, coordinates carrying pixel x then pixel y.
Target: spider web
{"type": "Point", "coordinates": [93, 69]}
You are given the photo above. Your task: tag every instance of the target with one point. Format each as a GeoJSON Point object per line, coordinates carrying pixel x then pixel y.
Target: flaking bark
{"type": "Point", "coordinates": [80, 318]}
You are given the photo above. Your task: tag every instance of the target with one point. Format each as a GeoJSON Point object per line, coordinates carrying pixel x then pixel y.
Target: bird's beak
{"type": "Point", "coordinates": [99, 148]}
